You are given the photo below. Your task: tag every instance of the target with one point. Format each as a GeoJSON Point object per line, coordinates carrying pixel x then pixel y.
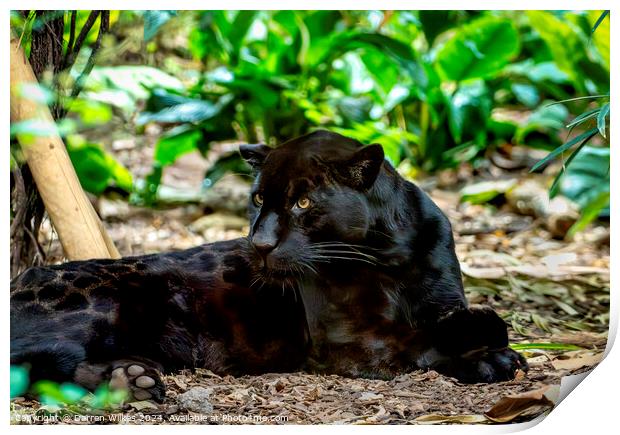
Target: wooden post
{"type": "Point", "coordinates": [79, 229]}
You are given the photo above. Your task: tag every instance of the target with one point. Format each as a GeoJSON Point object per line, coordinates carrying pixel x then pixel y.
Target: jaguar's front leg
{"type": "Point", "coordinates": [140, 377]}
{"type": "Point", "coordinates": [472, 346]}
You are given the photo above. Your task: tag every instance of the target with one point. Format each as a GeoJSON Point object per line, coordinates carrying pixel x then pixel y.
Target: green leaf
{"type": "Point", "coordinates": [435, 22]}
{"type": "Point", "coordinates": [564, 43]}
{"type": "Point", "coordinates": [72, 393]}
{"type": "Point", "coordinates": [556, 183]}
{"type": "Point", "coordinates": [394, 49]}
{"type": "Point", "coordinates": [588, 176]}
{"type": "Point", "coordinates": [19, 380]}
{"type": "Point", "coordinates": [526, 94]}
{"type": "Point", "coordinates": [599, 21]}
{"type": "Point", "coordinates": [479, 49]}
{"type": "Point", "coordinates": [49, 392]}
{"type": "Point", "coordinates": [544, 346]}
{"type": "Point", "coordinates": [538, 72]}
{"type": "Point", "coordinates": [122, 86]}
{"type": "Point", "coordinates": [547, 120]}
{"type": "Point", "coordinates": [265, 93]}
{"type": "Point", "coordinates": [590, 212]}
{"type": "Point", "coordinates": [584, 117]}
{"type": "Point", "coordinates": [194, 111]}
{"type": "Point", "coordinates": [600, 120]}
{"type": "Point", "coordinates": [176, 142]}
{"type": "Point", "coordinates": [393, 140]}
{"type": "Point", "coordinates": [384, 72]}
{"type": "Point", "coordinates": [153, 20]}
{"type": "Point", "coordinates": [483, 192]}
{"type": "Point", "coordinates": [600, 35]}
{"type": "Point", "coordinates": [470, 108]}
{"type": "Point", "coordinates": [33, 127]}
{"type": "Point", "coordinates": [90, 112]}
{"type": "Point", "coordinates": [95, 168]}
{"type": "Point", "coordinates": [559, 150]}
{"type": "Point", "coordinates": [35, 92]}
{"type": "Point", "coordinates": [105, 398]}
{"type": "Point", "coordinates": [239, 29]}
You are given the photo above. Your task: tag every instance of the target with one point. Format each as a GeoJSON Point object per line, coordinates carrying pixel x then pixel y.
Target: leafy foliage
{"type": "Point", "coordinates": [588, 183]}
{"type": "Point", "coordinates": [479, 49]}
{"type": "Point", "coordinates": [429, 86]}
{"type": "Point", "coordinates": [96, 168]}
{"type": "Point", "coordinates": [55, 395]}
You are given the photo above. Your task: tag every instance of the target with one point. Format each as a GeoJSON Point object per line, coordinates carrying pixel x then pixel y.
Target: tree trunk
{"type": "Point", "coordinates": [80, 231]}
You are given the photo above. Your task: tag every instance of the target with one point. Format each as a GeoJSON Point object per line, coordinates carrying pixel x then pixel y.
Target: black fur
{"type": "Point", "coordinates": [348, 269]}
{"type": "Point", "coordinates": [374, 261]}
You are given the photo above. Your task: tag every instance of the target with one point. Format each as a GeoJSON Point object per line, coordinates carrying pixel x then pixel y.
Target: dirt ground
{"type": "Point", "coordinates": [548, 290]}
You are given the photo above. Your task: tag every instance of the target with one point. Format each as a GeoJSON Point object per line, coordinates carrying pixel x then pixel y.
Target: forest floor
{"type": "Point", "coordinates": [553, 294]}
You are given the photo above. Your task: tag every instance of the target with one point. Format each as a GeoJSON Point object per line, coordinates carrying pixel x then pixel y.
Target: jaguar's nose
{"type": "Point", "coordinates": [263, 245]}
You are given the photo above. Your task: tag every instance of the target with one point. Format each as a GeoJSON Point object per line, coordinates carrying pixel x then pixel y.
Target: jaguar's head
{"type": "Point", "coordinates": [310, 202]}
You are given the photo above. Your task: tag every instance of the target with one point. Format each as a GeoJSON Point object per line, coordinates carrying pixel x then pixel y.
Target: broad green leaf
{"type": "Point", "coordinates": [464, 152]}
{"type": "Point", "coordinates": [538, 72]}
{"type": "Point", "coordinates": [95, 168]}
{"type": "Point", "coordinates": [394, 49]}
{"type": "Point", "coordinates": [320, 27]}
{"type": "Point", "coordinates": [265, 93]}
{"type": "Point", "coordinates": [194, 111]}
{"type": "Point", "coordinates": [135, 81]}
{"type": "Point", "coordinates": [176, 142]}
{"type": "Point", "coordinates": [120, 174]}
{"type": "Point", "coordinates": [384, 72]}
{"type": "Point", "coordinates": [546, 120]}
{"type": "Point", "coordinates": [239, 29]}
{"type": "Point", "coordinates": [588, 176]}
{"type": "Point", "coordinates": [479, 49]}
{"type": "Point", "coordinates": [90, 112]}
{"type": "Point", "coordinates": [470, 108]}
{"type": "Point", "coordinates": [526, 94]}
{"type": "Point", "coordinates": [435, 22]}
{"type": "Point", "coordinates": [564, 42]}
{"type": "Point", "coordinates": [354, 109]}
{"type": "Point", "coordinates": [153, 20]}
{"type": "Point", "coordinates": [19, 380]}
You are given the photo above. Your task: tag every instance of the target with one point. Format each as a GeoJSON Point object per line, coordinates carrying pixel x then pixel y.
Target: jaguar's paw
{"type": "Point", "coordinates": [142, 381]}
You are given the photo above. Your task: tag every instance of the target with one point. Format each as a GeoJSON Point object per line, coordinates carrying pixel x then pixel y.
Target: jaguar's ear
{"type": "Point", "coordinates": [361, 170]}
{"type": "Point", "coordinates": [254, 154]}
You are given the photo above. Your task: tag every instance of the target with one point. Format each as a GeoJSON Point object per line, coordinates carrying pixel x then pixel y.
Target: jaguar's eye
{"type": "Point", "coordinates": [303, 202]}
{"type": "Point", "coordinates": [258, 199]}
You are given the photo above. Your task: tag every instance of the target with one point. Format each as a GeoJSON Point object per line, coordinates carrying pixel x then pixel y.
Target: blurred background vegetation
{"type": "Point", "coordinates": [437, 89]}
{"type": "Point", "coordinates": [477, 95]}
